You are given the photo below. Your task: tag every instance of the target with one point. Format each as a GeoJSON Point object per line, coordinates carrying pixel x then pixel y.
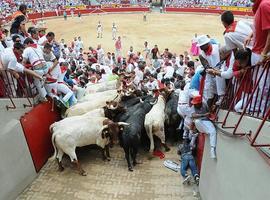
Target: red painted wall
{"type": "Point", "coordinates": [200, 148]}
{"type": "Point", "coordinates": [201, 10]}
{"type": "Point", "coordinates": [36, 125]}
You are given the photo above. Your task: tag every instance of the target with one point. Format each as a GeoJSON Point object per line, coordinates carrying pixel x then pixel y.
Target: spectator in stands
{"type": "Point", "coordinates": [21, 12]}
{"type": "Point", "coordinates": [18, 28]}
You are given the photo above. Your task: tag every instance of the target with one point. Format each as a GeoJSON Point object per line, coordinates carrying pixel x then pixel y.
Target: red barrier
{"type": "Point", "coordinates": [200, 149]}
{"type": "Point", "coordinates": [201, 10]}
{"type": "Point", "coordinates": [36, 125]}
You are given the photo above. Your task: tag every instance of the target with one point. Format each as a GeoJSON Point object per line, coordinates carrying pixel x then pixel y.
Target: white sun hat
{"type": "Point", "coordinates": [202, 40]}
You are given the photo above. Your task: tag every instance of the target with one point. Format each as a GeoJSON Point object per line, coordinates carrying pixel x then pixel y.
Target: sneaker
{"type": "Point", "coordinates": [186, 180]}
{"type": "Point", "coordinates": [213, 153]}
{"type": "Point", "coordinates": [197, 179]}
{"type": "Point", "coordinates": [43, 99]}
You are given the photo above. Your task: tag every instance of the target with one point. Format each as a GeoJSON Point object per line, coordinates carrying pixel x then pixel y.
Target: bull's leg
{"type": "Point", "coordinates": [166, 147]}
{"type": "Point", "coordinates": [128, 160]}
{"type": "Point", "coordinates": [73, 158]}
{"type": "Point", "coordinates": [134, 156]}
{"type": "Point", "coordinates": [105, 153]}
{"type": "Point", "coordinates": [79, 167]}
{"type": "Point", "coordinates": [107, 149]}
{"type": "Point", "coordinates": [59, 157]}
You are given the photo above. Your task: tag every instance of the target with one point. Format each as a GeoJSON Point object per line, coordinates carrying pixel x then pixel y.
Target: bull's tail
{"type": "Point", "coordinates": [54, 145]}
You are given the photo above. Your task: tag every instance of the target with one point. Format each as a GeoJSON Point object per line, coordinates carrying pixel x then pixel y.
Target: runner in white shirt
{"type": "Point", "coordinates": [169, 71]}
{"type": "Point", "coordinates": [114, 31]}
{"type": "Point", "coordinates": [34, 55]}
{"type": "Point", "coordinates": [9, 61]}
{"type": "Point", "coordinates": [99, 30]}
{"type": "Point", "coordinates": [152, 83]}
{"type": "Point", "coordinates": [100, 55]}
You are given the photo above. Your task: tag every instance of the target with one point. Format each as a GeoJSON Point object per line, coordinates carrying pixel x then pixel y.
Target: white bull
{"type": "Point", "coordinates": [81, 131]}
{"type": "Point", "coordinates": [154, 123]}
{"type": "Point", "coordinates": [100, 87]}
{"type": "Point", "coordinates": [95, 101]}
{"type": "Point", "coordinates": [109, 94]}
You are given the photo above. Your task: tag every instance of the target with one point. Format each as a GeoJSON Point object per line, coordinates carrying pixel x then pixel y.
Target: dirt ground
{"type": "Point", "coordinates": [173, 31]}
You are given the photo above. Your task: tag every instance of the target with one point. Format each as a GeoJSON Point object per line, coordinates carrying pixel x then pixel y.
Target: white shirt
{"type": "Point", "coordinates": [183, 95]}
{"type": "Point", "coordinates": [180, 70]}
{"type": "Point", "coordinates": [214, 58]}
{"type": "Point", "coordinates": [42, 40]}
{"type": "Point", "coordinates": [100, 53]}
{"type": "Point", "coordinates": [33, 55]}
{"type": "Point", "coordinates": [236, 39]}
{"type": "Point", "coordinates": [9, 60]}
{"type": "Point", "coordinates": [138, 77]}
{"type": "Point", "coordinates": [152, 85]}
{"type": "Point", "coordinates": [169, 72]}
{"type": "Point", "coordinates": [227, 72]}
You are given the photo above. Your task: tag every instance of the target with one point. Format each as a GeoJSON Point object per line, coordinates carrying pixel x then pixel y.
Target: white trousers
{"type": "Point", "coordinates": [41, 89]}
{"type": "Point", "coordinates": [114, 35]}
{"type": "Point", "coordinates": [51, 89]}
{"type": "Point", "coordinates": [63, 89]}
{"type": "Point", "coordinates": [263, 91]}
{"type": "Point", "coordinates": [214, 85]}
{"type": "Point", "coordinates": [206, 126]}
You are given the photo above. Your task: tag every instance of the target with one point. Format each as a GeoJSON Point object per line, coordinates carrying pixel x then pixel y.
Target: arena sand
{"type": "Point", "coordinates": [173, 31]}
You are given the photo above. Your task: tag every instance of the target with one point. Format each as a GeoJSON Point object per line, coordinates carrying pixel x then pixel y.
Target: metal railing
{"type": "Point", "coordinates": [13, 88]}
{"type": "Point", "coordinates": [255, 102]}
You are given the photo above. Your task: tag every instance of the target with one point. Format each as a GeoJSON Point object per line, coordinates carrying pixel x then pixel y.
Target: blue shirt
{"type": "Point", "coordinates": [195, 80]}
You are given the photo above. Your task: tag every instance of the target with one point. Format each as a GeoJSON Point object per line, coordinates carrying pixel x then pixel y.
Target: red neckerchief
{"type": "Point", "coordinates": [19, 57]}
{"type": "Point", "coordinates": [228, 60]}
{"type": "Point", "coordinates": [33, 45]}
{"type": "Point", "coordinates": [256, 5]}
{"type": "Point", "coordinates": [231, 28]}
{"type": "Point", "coordinates": [202, 83]}
{"type": "Point", "coordinates": [63, 69]}
{"type": "Point", "coordinates": [208, 52]}
{"type": "Point", "coordinates": [1, 35]}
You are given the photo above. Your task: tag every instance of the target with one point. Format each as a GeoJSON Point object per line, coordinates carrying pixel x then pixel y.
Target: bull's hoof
{"type": "Point", "coordinates": [83, 173]}
{"type": "Point", "coordinates": [136, 163]}
{"type": "Point", "coordinates": [130, 169]}
{"type": "Point", "coordinates": [61, 168]}
{"type": "Point", "coordinates": [108, 159]}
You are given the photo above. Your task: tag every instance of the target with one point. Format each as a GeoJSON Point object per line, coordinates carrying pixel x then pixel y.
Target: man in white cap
{"type": "Point", "coordinates": [210, 57]}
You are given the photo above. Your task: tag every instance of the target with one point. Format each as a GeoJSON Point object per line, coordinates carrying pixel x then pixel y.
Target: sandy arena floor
{"type": "Point", "coordinates": [174, 31]}
{"type": "Point", "coordinates": [111, 180]}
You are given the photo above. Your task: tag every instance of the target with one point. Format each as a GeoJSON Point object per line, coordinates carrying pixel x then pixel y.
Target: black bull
{"type": "Point", "coordinates": [131, 135]}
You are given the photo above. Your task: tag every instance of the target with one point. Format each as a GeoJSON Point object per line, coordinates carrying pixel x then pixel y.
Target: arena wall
{"type": "Point", "coordinates": [96, 10]}
{"type": "Point", "coordinates": [25, 145]}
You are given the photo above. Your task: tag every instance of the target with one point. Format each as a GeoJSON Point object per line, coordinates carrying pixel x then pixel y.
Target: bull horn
{"type": "Point", "coordinates": [141, 101]}
{"type": "Point", "coordinates": [153, 103]}
{"type": "Point", "coordinates": [104, 127]}
{"type": "Point", "coordinates": [123, 123]}
{"type": "Point", "coordinates": [115, 97]}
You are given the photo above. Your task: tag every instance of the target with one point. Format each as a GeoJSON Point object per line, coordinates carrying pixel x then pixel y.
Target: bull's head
{"type": "Point", "coordinates": [112, 130]}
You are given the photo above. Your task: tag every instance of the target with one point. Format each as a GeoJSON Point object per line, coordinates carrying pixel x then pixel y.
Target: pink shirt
{"type": "Point", "coordinates": [262, 26]}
